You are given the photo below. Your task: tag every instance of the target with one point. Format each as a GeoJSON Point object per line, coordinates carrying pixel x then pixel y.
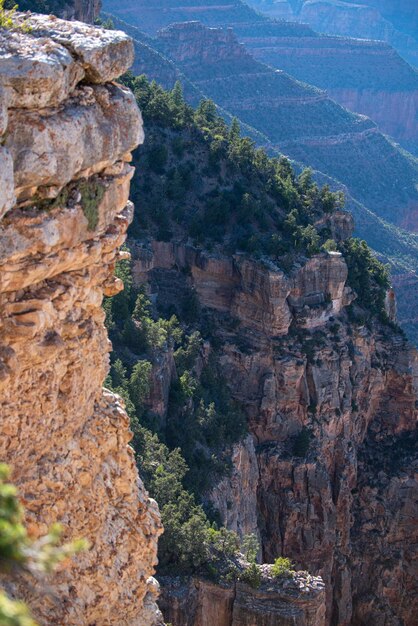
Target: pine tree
{"type": "Point", "coordinates": [177, 96]}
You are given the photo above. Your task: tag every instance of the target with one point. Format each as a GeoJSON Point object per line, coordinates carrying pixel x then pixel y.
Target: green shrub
{"type": "Point", "coordinates": [250, 547]}
{"type": "Point", "coordinates": [282, 568]}
{"type": "Point", "coordinates": [251, 576]}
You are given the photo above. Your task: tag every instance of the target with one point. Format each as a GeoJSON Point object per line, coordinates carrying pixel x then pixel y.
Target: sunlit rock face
{"type": "Point", "coordinates": [66, 134]}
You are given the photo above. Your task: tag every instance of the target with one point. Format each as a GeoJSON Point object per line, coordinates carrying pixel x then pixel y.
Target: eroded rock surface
{"type": "Point", "coordinates": [64, 187]}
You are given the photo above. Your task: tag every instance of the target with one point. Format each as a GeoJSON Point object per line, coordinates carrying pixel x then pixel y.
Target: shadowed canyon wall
{"type": "Point", "coordinates": [327, 473]}
{"type": "Point", "coordinates": [66, 134]}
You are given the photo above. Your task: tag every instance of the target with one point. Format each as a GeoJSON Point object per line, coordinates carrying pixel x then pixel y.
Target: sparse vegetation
{"type": "Point", "coordinates": [8, 17]}
{"type": "Point", "coordinates": [230, 194]}
{"type": "Point", "coordinates": [251, 576]}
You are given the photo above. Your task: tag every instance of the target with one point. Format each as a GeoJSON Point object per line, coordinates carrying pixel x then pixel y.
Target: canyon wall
{"type": "Point", "coordinates": [366, 20]}
{"type": "Point", "coordinates": [367, 77]}
{"type": "Point", "coordinates": [327, 474]}
{"type": "Point", "coordinates": [391, 21]}
{"type": "Point", "coordinates": [67, 130]}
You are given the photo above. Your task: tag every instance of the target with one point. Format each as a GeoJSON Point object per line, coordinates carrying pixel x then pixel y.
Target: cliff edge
{"type": "Point", "coordinates": [66, 133]}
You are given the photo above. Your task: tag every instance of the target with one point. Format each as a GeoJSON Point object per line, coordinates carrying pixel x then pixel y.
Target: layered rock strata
{"type": "Point", "coordinates": [83, 10]}
{"type": "Point", "coordinates": [66, 134]}
{"type": "Point", "coordinates": [327, 474]}
{"type": "Point", "coordinates": [367, 77]}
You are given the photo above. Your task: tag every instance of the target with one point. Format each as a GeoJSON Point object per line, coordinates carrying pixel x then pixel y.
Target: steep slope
{"type": "Point", "coordinates": [366, 77]}
{"type": "Point", "coordinates": [64, 213]}
{"type": "Point", "coordinates": [299, 120]}
{"type": "Point", "coordinates": [297, 335]}
{"type": "Point", "coordinates": [349, 159]}
{"type": "Point", "coordinates": [395, 246]}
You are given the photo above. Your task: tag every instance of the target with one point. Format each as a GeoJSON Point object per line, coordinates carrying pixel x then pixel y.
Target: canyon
{"type": "Point", "coordinates": [394, 22]}
{"type": "Point", "coordinates": [367, 77]}
{"type": "Point", "coordinates": [347, 151]}
{"type": "Point", "coordinates": [326, 471]}
{"type": "Point", "coordinates": [298, 120]}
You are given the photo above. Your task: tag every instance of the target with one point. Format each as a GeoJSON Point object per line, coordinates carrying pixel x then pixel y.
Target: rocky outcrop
{"type": "Point", "coordinates": [327, 400]}
{"type": "Point", "coordinates": [67, 132]}
{"type": "Point", "coordinates": [257, 294]}
{"type": "Point", "coordinates": [298, 601]}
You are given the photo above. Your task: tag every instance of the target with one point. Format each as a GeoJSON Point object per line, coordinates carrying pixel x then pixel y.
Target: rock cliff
{"type": "Point", "coordinates": [67, 130]}
{"type": "Point", "coordinates": [327, 473]}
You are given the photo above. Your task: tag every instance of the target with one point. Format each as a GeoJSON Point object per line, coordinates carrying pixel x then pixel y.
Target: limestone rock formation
{"type": "Point", "coordinates": [67, 132]}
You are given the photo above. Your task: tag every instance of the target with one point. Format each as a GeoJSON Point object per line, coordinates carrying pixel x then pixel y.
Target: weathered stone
{"type": "Point", "coordinates": [104, 54]}
{"type": "Point", "coordinates": [42, 144]}
{"type": "Point", "coordinates": [65, 437]}
{"type": "Point", "coordinates": [83, 10]}
{"type": "Point", "coordinates": [36, 72]}
{"type": "Point", "coordinates": [299, 602]}
{"type": "Point", "coordinates": [322, 397]}
{"type": "Point", "coordinates": [235, 497]}
{"type": "Point", "coordinates": [7, 196]}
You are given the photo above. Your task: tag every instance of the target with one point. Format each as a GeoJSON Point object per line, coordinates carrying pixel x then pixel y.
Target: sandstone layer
{"type": "Point", "coordinates": [67, 132]}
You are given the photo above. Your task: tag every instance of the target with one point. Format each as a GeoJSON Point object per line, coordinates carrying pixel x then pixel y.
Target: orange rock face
{"type": "Point", "coordinates": [65, 437]}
